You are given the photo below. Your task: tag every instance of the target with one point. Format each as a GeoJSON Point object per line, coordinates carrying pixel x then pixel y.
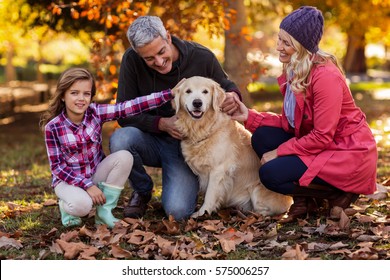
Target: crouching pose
{"type": "Point", "coordinates": [320, 148]}
{"type": "Point", "coordinates": [82, 176]}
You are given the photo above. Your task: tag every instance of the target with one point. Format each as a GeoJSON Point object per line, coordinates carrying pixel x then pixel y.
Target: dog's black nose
{"type": "Point", "coordinates": [197, 103]}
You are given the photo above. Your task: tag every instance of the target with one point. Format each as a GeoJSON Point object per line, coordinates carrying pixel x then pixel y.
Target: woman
{"type": "Point", "coordinates": [320, 147]}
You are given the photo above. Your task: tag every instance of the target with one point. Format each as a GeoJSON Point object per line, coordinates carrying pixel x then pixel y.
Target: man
{"type": "Point", "coordinates": [158, 61]}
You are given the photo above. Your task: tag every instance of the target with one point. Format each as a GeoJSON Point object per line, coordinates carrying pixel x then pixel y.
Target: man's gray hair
{"type": "Point", "coordinates": [144, 30]}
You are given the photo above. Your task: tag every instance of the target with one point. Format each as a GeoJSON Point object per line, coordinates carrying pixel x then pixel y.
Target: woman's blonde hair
{"type": "Point", "coordinates": [301, 63]}
{"type": "Point", "coordinates": [65, 81]}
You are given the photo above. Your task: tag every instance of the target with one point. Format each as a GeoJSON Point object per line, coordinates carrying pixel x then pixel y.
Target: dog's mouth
{"type": "Point", "coordinates": [196, 113]}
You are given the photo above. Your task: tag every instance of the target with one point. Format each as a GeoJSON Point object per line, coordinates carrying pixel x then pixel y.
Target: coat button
{"type": "Point", "coordinates": [305, 117]}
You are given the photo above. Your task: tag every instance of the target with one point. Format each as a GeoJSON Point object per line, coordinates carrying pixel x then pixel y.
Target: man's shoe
{"type": "Point", "coordinates": [137, 205]}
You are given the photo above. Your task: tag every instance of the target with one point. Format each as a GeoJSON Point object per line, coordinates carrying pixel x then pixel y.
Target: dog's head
{"type": "Point", "coordinates": [196, 95]}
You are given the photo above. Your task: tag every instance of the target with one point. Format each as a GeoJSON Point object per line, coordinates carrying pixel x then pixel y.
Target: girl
{"type": "Point", "coordinates": [320, 146]}
{"type": "Point", "coordinates": [81, 174]}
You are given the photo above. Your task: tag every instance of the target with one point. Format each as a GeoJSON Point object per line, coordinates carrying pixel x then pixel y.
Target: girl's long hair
{"type": "Point", "coordinates": [301, 63]}
{"type": "Point", "coordinates": [65, 81]}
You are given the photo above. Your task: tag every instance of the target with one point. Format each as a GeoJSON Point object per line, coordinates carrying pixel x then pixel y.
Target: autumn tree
{"type": "Point", "coordinates": [109, 21]}
{"type": "Point", "coordinates": [16, 17]}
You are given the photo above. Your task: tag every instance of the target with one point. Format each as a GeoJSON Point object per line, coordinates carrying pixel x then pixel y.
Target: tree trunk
{"type": "Point", "coordinates": [10, 72]}
{"type": "Point", "coordinates": [236, 47]}
{"type": "Point", "coordinates": [355, 59]}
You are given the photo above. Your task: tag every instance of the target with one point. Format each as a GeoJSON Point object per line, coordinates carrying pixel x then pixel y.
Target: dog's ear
{"type": "Point", "coordinates": [176, 94]}
{"type": "Point", "coordinates": [218, 96]}
{"type": "Point", "coordinates": [176, 103]}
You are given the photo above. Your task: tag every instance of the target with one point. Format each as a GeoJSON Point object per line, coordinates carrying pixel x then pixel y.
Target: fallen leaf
{"type": "Point", "coordinates": [191, 225]}
{"type": "Point", "coordinates": [295, 253]}
{"type": "Point", "coordinates": [368, 238]}
{"type": "Point", "coordinates": [248, 222]}
{"type": "Point", "coordinates": [381, 230]}
{"type": "Point", "coordinates": [227, 245]}
{"type": "Point", "coordinates": [6, 242]}
{"type": "Point", "coordinates": [117, 252]}
{"type": "Point", "coordinates": [162, 242]}
{"type": "Point", "coordinates": [272, 244]}
{"type": "Point", "coordinates": [43, 254]}
{"type": "Point", "coordinates": [71, 249]}
{"type": "Point", "coordinates": [85, 232]}
{"type": "Point", "coordinates": [172, 226]}
{"type": "Point", "coordinates": [67, 236]}
{"type": "Point", "coordinates": [56, 248]}
{"type": "Point", "coordinates": [380, 193]}
{"type": "Point", "coordinates": [88, 253]}
{"type": "Point", "coordinates": [48, 236]}
{"type": "Point", "coordinates": [167, 247]}
{"type": "Point", "coordinates": [139, 237]}
{"type": "Point", "coordinates": [4, 234]}
{"type": "Point", "coordinates": [50, 202]}
{"type": "Point", "coordinates": [116, 238]}
{"type": "Point", "coordinates": [365, 219]}
{"type": "Point", "coordinates": [12, 206]}
{"type": "Point", "coordinates": [101, 237]}
{"type": "Point", "coordinates": [321, 229]}
{"type": "Point", "coordinates": [338, 245]}
{"type": "Point", "coordinates": [344, 222]}
{"type": "Point", "coordinates": [212, 225]}
{"type": "Point", "coordinates": [364, 254]}
{"type": "Point", "coordinates": [317, 247]}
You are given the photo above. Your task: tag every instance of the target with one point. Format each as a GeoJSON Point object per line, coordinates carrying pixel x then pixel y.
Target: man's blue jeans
{"type": "Point", "coordinates": [179, 184]}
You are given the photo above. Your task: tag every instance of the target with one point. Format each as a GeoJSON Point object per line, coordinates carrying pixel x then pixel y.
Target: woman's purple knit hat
{"type": "Point", "coordinates": [306, 26]}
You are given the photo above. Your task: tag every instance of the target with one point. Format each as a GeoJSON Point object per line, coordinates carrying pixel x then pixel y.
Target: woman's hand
{"type": "Point", "coordinates": [229, 106]}
{"type": "Point", "coordinates": [268, 156]}
{"type": "Point", "coordinates": [96, 195]}
{"type": "Point", "coordinates": [241, 114]}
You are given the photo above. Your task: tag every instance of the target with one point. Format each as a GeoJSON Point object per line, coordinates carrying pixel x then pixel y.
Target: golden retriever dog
{"type": "Point", "coordinates": [218, 150]}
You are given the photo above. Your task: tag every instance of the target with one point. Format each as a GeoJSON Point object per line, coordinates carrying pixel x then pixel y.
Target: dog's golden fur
{"type": "Point", "coordinates": [219, 151]}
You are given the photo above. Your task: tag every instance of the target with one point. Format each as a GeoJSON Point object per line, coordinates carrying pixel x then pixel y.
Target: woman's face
{"type": "Point", "coordinates": [284, 47]}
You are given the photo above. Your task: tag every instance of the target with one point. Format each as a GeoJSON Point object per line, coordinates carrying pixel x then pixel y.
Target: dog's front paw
{"type": "Point", "coordinates": [198, 213]}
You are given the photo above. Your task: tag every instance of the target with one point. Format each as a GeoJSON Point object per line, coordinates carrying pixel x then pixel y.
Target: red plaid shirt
{"type": "Point", "coordinates": [74, 151]}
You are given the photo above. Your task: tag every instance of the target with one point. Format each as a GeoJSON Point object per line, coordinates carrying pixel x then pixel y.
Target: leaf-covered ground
{"type": "Point", "coordinates": [360, 232]}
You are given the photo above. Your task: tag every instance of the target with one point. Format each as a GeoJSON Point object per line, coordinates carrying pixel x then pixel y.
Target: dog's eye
{"type": "Point", "coordinates": [188, 91]}
{"type": "Point", "coordinates": [205, 91]}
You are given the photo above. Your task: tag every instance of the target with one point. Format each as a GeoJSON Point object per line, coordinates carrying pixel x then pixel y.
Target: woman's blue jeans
{"type": "Point", "coordinates": [281, 174]}
{"type": "Point", "coordinates": [179, 184]}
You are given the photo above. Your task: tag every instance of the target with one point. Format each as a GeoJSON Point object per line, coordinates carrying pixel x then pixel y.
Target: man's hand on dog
{"type": "Point", "coordinates": [168, 125]}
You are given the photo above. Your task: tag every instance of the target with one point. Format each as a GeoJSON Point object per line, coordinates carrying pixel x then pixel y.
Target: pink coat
{"type": "Point", "coordinates": [332, 136]}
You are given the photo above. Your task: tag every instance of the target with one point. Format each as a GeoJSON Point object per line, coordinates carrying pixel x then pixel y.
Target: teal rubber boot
{"type": "Point", "coordinates": [103, 212]}
{"type": "Point", "coordinates": [67, 219]}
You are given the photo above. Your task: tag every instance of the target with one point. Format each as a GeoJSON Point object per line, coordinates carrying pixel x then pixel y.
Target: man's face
{"type": "Point", "coordinates": [158, 54]}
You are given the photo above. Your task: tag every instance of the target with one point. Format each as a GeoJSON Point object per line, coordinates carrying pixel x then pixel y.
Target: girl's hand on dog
{"type": "Point", "coordinates": [241, 114]}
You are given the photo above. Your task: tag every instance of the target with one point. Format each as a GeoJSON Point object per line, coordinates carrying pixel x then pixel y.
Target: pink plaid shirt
{"type": "Point", "coordinates": [74, 151]}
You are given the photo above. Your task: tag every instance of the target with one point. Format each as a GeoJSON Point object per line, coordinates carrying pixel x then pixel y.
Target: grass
{"type": "Point", "coordinates": [25, 182]}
